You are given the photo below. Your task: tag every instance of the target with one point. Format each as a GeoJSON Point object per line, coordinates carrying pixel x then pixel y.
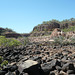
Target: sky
{"type": "Point", "coordinates": [23, 15]}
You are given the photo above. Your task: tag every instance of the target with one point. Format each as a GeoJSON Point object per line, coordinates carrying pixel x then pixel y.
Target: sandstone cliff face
{"type": "Point", "coordinates": [47, 27]}
{"type": "Point", "coordinates": [44, 29]}
{"type": "Point", "coordinates": [57, 32]}
{"type": "Point", "coordinates": [12, 35]}
{"type": "Point", "coordinates": [42, 33]}
{"type": "Point", "coordinates": [51, 26]}
{"type": "Point", "coordinates": [64, 25]}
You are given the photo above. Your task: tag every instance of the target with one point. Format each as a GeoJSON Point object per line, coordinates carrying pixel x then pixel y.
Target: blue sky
{"type": "Point", "coordinates": [23, 15]}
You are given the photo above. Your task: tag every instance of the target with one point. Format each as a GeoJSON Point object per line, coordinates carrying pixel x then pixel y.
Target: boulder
{"type": "Point", "coordinates": [31, 67]}
{"type": "Point", "coordinates": [56, 32]}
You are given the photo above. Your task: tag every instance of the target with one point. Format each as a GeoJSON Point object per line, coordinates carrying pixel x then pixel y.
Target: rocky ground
{"type": "Point", "coordinates": [52, 60]}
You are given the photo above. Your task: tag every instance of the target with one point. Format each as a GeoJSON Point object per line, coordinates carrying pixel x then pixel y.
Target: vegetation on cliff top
{"type": "Point", "coordinates": [71, 20]}
{"type": "Point", "coordinates": [71, 28]}
{"type": "Point", "coordinates": [66, 25]}
{"type": "Point", "coordinates": [6, 30]}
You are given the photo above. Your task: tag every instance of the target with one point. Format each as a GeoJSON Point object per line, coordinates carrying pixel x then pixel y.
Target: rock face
{"type": "Point", "coordinates": [44, 29]}
{"type": "Point", "coordinates": [57, 32]}
{"type": "Point", "coordinates": [64, 25]}
{"type": "Point", "coordinates": [12, 35]}
{"type": "Point", "coordinates": [47, 27]}
{"type": "Point", "coordinates": [25, 35]}
{"type": "Point", "coordinates": [70, 34]}
{"type": "Point", "coordinates": [42, 33]}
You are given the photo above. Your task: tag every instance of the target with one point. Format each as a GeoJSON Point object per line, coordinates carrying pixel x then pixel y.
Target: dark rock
{"type": "Point", "coordinates": [70, 72]}
{"type": "Point", "coordinates": [58, 68]}
{"type": "Point", "coordinates": [10, 73]}
{"type": "Point", "coordinates": [2, 72]}
{"type": "Point", "coordinates": [68, 66]}
{"type": "Point", "coordinates": [46, 68]}
{"type": "Point", "coordinates": [36, 58]}
{"type": "Point", "coordinates": [13, 68]}
{"type": "Point", "coordinates": [55, 63]}
{"type": "Point", "coordinates": [17, 72]}
{"type": "Point", "coordinates": [37, 52]}
{"type": "Point", "coordinates": [55, 72]}
{"type": "Point", "coordinates": [30, 67]}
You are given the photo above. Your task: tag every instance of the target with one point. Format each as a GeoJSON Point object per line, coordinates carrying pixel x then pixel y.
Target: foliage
{"type": "Point", "coordinates": [23, 40]}
{"type": "Point", "coordinates": [49, 22]}
{"type": "Point", "coordinates": [9, 30]}
{"type": "Point", "coordinates": [2, 62]}
{"type": "Point", "coordinates": [35, 30]}
{"type": "Point", "coordinates": [58, 40]}
{"type": "Point", "coordinates": [4, 30]}
{"type": "Point", "coordinates": [72, 39]}
{"type": "Point", "coordinates": [39, 24]}
{"type": "Point", "coordinates": [71, 28]}
{"type": "Point", "coordinates": [63, 40]}
{"type": "Point", "coordinates": [63, 24]}
{"type": "Point", "coordinates": [4, 42]}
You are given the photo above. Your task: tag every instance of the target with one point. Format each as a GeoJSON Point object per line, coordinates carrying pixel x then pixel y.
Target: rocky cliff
{"type": "Point", "coordinates": [47, 27]}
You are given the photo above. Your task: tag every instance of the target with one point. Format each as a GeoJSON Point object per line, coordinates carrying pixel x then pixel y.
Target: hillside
{"type": "Point", "coordinates": [6, 30]}
{"type": "Point", "coordinates": [48, 50]}
{"type": "Point", "coordinates": [48, 26]}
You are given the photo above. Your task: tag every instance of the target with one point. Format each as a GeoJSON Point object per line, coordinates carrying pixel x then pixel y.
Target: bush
{"type": "Point", "coordinates": [64, 41]}
{"type": "Point", "coordinates": [59, 40]}
{"type": "Point", "coordinates": [24, 40]}
{"type": "Point", "coordinates": [71, 28]}
{"type": "Point", "coordinates": [72, 39]}
{"type": "Point", "coordinates": [4, 63]}
{"type": "Point", "coordinates": [4, 42]}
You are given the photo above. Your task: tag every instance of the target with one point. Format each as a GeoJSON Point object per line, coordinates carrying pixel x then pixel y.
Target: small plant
{"type": "Point", "coordinates": [4, 63]}
{"type": "Point", "coordinates": [25, 40]}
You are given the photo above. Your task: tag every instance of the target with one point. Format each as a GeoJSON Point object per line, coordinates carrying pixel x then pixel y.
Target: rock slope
{"type": "Point", "coordinates": [52, 60]}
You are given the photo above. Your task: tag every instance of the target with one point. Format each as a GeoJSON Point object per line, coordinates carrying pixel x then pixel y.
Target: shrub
{"type": "Point", "coordinates": [59, 40]}
{"type": "Point", "coordinates": [64, 41]}
{"type": "Point", "coordinates": [4, 63]}
{"type": "Point", "coordinates": [4, 42]}
{"type": "Point", "coordinates": [24, 40]}
{"type": "Point", "coordinates": [71, 28]}
{"type": "Point", "coordinates": [12, 42]}
{"type": "Point", "coordinates": [72, 39]}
